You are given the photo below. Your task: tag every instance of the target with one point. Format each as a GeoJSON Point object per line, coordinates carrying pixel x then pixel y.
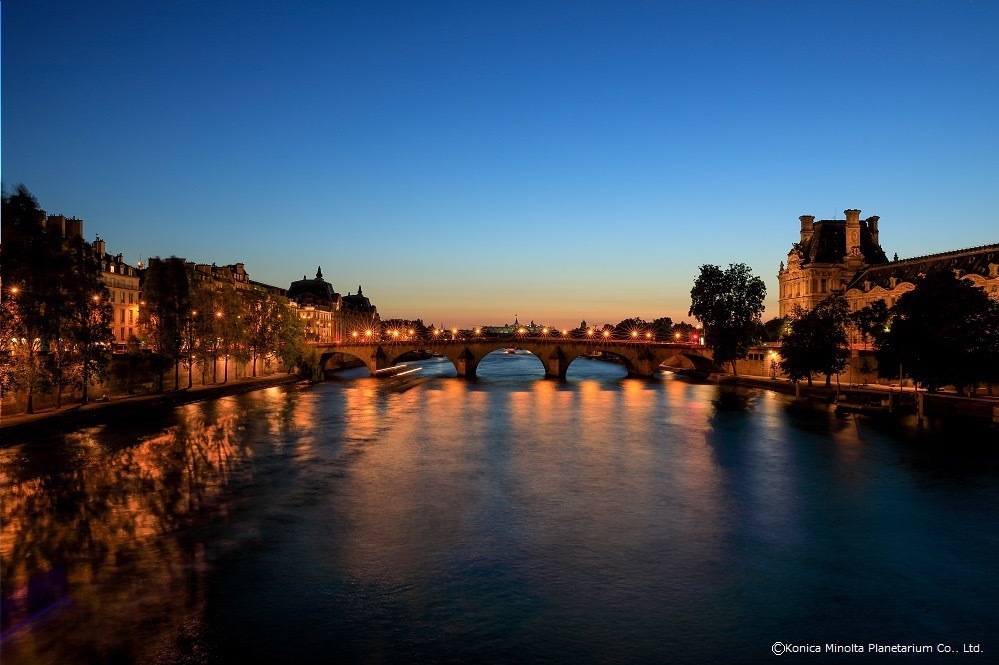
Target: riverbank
{"type": "Point", "coordinates": [985, 409]}
{"type": "Point", "coordinates": [18, 428]}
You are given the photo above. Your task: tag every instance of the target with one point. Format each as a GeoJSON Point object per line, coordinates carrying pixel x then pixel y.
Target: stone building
{"type": "Point", "coordinates": [845, 255]}
{"type": "Point", "coordinates": [327, 315]}
{"type": "Point", "coordinates": [122, 283]}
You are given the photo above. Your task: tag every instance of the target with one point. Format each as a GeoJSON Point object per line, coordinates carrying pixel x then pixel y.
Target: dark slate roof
{"type": "Point", "coordinates": [358, 302]}
{"type": "Point", "coordinates": [828, 243]}
{"type": "Point", "coordinates": [974, 260]}
{"type": "Point", "coordinates": [313, 291]}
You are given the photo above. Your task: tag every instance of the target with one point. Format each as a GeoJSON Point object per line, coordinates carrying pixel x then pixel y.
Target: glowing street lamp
{"type": "Point", "coordinates": [648, 335]}
{"type": "Point", "coordinates": [367, 333]}
{"type": "Point", "coordinates": [606, 334]}
{"type": "Point", "coordinates": [565, 333]}
{"type": "Point", "coordinates": [437, 332]}
{"type": "Point", "coordinates": [676, 336]}
{"type": "Point", "coordinates": [395, 333]}
{"type": "Point", "coordinates": [522, 331]}
{"type": "Point", "coordinates": [589, 332]}
{"type": "Point", "coordinates": [634, 333]}
{"type": "Point", "coordinates": [544, 331]}
{"type": "Point", "coordinates": [353, 333]}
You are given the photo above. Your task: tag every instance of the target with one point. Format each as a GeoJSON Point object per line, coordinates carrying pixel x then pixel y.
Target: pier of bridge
{"type": "Point", "coordinates": [640, 358]}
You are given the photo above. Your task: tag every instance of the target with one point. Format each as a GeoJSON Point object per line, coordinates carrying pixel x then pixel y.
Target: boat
{"type": "Point", "coordinates": [511, 350]}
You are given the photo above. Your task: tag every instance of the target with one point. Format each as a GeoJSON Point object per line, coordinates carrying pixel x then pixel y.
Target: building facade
{"type": "Point", "coordinates": [122, 283]}
{"type": "Point", "coordinates": [327, 315]}
{"type": "Point", "coordinates": [846, 256]}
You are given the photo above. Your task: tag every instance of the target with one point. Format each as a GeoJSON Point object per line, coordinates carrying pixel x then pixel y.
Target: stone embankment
{"type": "Point", "coordinates": [24, 427]}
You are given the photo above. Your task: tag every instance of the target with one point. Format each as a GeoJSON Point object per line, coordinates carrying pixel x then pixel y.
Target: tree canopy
{"type": "Point", "coordinates": [729, 303]}
{"type": "Point", "coordinates": [943, 332]}
{"type": "Point", "coordinates": [816, 340]}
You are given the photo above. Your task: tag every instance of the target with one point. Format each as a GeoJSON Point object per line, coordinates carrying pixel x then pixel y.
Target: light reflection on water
{"type": "Point", "coordinates": [510, 518]}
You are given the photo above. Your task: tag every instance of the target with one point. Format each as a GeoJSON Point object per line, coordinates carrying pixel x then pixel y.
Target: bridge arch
{"type": "Point", "coordinates": [335, 361]}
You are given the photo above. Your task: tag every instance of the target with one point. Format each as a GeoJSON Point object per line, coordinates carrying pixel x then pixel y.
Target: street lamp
{"type": "Point", "coordinates": [606, 334]}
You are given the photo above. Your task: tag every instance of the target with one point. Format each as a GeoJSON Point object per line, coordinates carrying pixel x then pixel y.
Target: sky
{"type": "Point", "coordinates": [470, 161]}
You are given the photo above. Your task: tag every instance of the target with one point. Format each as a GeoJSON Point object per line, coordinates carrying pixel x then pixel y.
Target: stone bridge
{"type": "Point", "coordinates": [640, 358]}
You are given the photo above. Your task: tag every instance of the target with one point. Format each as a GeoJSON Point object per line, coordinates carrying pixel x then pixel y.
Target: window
{"type": "Point", "coordinates": [121, 334]}
{"type": "Point", "coordinates": [129, 332]}
{"type": "Point", "coordinates": [130, 316]}
{"type": "Point", "coordinates": [112, 267]}
{"type": "Point", "coordinates": [122, 317]}
{"type": "Point", "coordinates": [123, 296]}
{"type": "Point", "coordinates": [129, 298]}
{"type": "Point", "coordinates": [823, 286]}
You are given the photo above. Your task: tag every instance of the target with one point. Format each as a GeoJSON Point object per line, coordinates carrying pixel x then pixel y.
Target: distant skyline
{"type": "Point", "coordinates": [466, 162]}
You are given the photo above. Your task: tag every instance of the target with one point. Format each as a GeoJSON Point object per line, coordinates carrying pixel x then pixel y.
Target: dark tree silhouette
{"type": "Point", "coordinates": [943, 332]}
{"type": "Point", "coordinates": [729, 303]}
{"type": "Point", "coordinates": [816, 341]}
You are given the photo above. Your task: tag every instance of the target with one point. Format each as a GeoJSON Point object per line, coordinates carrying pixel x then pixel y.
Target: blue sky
{"type": "Point", "coordinates": [469, 161]}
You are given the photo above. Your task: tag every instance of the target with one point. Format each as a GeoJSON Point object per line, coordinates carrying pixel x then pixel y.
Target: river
{"type": "Point", "coordinates": [508, 519]}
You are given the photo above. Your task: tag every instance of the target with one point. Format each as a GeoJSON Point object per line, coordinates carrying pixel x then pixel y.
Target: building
{"type": "Point", "coordinates": [318, 307]}
{"type": "Point", "coordinates": [328, 316]}
{"type": "Point", "coordinates": [845, 255]}
{"type": "Point", "coordinates": [122, 283]}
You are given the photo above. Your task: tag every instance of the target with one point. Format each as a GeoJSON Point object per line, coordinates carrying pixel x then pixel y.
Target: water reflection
{"type": "Point", "coordinates": [508, 518]}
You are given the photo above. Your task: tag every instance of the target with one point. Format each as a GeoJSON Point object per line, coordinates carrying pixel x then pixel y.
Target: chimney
{"type": "Point", "coordinates": [807, 222]}
{"type": "Point", "coordinates": [56, 224]}
{"type": "Point", "coordinates": [99, 247]}
{"type": "Point", "coordinates": [852, 232]}
{"type": "Point", "coordinates": [74, 228]}
{"type": "Point", "coordinates": [872, 225]}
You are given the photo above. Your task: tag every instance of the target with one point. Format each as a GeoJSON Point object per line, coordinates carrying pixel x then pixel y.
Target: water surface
{"type": "Point", "coordinates": [509, 519]}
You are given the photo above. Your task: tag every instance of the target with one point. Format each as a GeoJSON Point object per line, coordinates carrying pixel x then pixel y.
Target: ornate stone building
{"type": "Point", "coordinates": [328, 316]}
{"type": "Point", "coordinates": [846, 255]}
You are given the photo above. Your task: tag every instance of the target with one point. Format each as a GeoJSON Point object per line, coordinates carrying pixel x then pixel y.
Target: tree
{"type": "Point", "coordinates": [774, 328]}
{"type": "Point", "coordinates": [290, 339]}
{"type": "Point", "coordinates": [203, 338]}
{"type": "Point", "coordinates": [729, 304]}
{"type": "Point", "coordinates": [940, 333]}
{"type": "Point", "coordinates": [167, 305]}
{"type": "Point", "coordinates": [232, 332]}
{"type": "Point", "coordinates": [816, 341]}
{"type": "Point", "coordinates": [870, 319]}
{"type": "Point", "coordinates": [662, 328]}
{"type": "Point", "coordinates": [263, 322]}
{"type": "Point", "coordinates": [89, 325]}
{"type": "Point", "coordinates": [33, 293]}
{"type": "Point", "coordinates": [685, 330]}
{"type": "Point", "coordinates": [635, 324]}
